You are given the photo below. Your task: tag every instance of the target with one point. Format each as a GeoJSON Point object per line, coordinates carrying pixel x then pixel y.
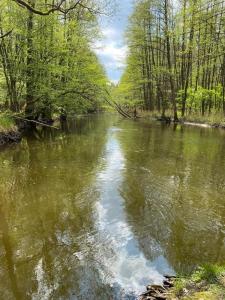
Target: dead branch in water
{"type": "Point", "coordinates": [117, 107]}
{"type": "Point", "coordinates": [36, 122]}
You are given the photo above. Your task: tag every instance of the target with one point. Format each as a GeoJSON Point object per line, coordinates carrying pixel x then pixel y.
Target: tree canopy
{"type": "Point", "coordinates": [176, 57]}
{"type": "Point", "coordinates": [47, 60]}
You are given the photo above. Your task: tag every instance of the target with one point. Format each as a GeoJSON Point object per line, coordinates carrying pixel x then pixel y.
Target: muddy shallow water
{"type": "Point", "coordinates": [104, 206]}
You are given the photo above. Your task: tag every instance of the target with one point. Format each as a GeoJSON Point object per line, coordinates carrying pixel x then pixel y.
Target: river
{"type": "Point", "coordinates": [105, 206]}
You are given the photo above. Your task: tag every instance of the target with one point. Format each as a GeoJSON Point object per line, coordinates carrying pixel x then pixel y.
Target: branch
{"type": "Point", "coordinates": [57, 7]}
{"type": "Point", "coordinates": [34, 121]}
{"type": "Point", "coordinates": [24, 4]}
{"type": "Point", "coordinates": [6, 34]}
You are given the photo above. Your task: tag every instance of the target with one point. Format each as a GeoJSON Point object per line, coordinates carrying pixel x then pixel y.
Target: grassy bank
{"type": "Point", "coordinates": [214, 119]}
{"type": "Point", "coordinates": [8, 130]}
{"type": "Point", "coordinates": [207, 283]}
{"type": "Point", "coordinates": [6, 124]}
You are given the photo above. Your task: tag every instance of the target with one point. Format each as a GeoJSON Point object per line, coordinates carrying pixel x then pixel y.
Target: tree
{"type": "Point", "coordinates": [176, 51]}
{"type": "Point", "coordinates": [47, 58]}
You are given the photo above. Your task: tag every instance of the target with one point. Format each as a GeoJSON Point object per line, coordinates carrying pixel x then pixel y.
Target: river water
{"type": "Point", "coordinates": [105, 206]}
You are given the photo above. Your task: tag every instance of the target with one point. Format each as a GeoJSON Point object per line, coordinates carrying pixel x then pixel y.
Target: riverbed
{"type": "Point", "coordinates": [105, 206]}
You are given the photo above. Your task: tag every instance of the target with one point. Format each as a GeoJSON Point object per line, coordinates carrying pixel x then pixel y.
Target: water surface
{"type": "Point", "coordinates": [104, 206]}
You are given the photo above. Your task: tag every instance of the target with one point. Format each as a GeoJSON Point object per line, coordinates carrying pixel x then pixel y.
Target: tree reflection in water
{"type": "Point", "coordinates": [105, 206]}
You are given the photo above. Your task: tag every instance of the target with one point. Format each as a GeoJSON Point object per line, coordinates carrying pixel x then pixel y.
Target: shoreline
{"type": "Point", "coordinates": [14, 135]}
{"type": "Point", "coordinates": [187, 122]}
{"type": "Point", "coordinates": [159, 292]}
{"type": "Point", "coordinates": [204, 125]}
{"type": "Point", "coordinates": [206, 282]}
{"type": "Point", "coordinates": [9, 131]}
{"type": "Point", "coordinates": [10, 137]}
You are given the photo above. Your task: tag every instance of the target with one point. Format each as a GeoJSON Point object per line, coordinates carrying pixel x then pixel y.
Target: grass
{"type": "Point", "coordinates": [206, 283]}
{"type": "Point", "coordinates": [6, 123]}
{"type": "Point", "coordinates": [213, 119]}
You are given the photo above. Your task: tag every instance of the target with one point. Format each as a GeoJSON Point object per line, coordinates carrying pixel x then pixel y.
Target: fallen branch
{"type": "Point", "coordinates": [109, 101]}
{"type": "Point", "coordinates": [117, 107]}
{"type": "Point", "coordinates": [33, 121]}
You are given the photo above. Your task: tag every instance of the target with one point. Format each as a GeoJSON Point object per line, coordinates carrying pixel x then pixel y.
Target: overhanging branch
{"type": "Point", "coordinates": [58, 7]}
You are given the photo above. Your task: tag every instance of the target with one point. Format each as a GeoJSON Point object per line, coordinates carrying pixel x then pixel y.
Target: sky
{"type": "Point", "coordinates": [111, 49]}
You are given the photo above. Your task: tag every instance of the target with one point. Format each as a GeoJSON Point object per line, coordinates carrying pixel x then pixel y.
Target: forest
{"type": "Point", "coordinates": [47, 62]}
{"type": "Point", "coordinates": [176, 58]}
{"type": "Point", "coordinates": [112, 176]}
{"type": "Point", "coordinates": [175, 63]}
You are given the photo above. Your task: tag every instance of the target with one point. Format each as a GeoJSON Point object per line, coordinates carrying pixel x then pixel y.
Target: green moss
{"type": "Point", "coordinates": [206, 283]}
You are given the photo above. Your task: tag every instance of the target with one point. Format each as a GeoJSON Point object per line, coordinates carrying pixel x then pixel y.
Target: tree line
{"type": "Point", "coordinates": [47, 62]}
{"type": "Point", "coordinates": [176, 57]}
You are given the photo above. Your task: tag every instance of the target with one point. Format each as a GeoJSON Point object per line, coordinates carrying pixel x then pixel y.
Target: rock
{"type": "Point", "coordinates": [158, 287]}
{"type": "Point", "coordinates": [159, 292]}
{"type": "Point", "coordinates": [170, 277]}
{"type": "Point", "coordinates": [158, 296]}
{"type": "Point", "coordinates": [168, 283]}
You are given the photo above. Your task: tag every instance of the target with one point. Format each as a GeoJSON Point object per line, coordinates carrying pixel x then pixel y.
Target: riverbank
{"type": "Point", "coordinates": [206, 283]}
{"type": "Point", "coordinates": [9, 132]}
{"type": "Point", "coordinates": [207, 121]}
{"type": "Point", "coordinates": [212, 121]}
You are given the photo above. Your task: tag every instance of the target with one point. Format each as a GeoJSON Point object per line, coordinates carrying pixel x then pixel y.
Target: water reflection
{"type": "Point", "coordinates": [47, 202]}
{"type": "Point", "coordinates": [128, 267]}
{"type": "Point", "coordinates": [104, 206]}
{"type": "Point", "coordinates": [174, 194]}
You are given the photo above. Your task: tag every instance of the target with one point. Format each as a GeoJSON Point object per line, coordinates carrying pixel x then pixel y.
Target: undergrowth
{"type": "Point", "coordinates": [206, 283]}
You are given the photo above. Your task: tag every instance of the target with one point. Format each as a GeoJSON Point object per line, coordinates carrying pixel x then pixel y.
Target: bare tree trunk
{"type": "Point", "coordinates": [29, 111]}
{"type": "Point", "coordinates": [169, 62]}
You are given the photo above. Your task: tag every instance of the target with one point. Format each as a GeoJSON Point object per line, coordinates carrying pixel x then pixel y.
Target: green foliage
{"type": "Point", "coordinates": [6, 123]}
{"type": "Point", "coordinates": [176, 57]}
{"type": "Point", "coordinates": [56, 67]}
{"type": "Point", "coordinates": [196, 97]}
{"type": "Point", "coordinates": [207, 282]}
{"type": "Point", "coordinates": [209, 273]}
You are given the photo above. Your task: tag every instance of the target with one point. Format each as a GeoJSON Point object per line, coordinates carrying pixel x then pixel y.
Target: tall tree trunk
{"type": "Point", "coordinates": [169, 61]}
{"type": "Point", "coordinates": [30, 85]}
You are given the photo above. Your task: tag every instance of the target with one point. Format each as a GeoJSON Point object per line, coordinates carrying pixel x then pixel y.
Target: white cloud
{"type": "Point", "coordinates": [111, 49]}
{"type": "Point", "coordinates": [110, 33]}
{"type": "Point", "coordinates": [112, 53]}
